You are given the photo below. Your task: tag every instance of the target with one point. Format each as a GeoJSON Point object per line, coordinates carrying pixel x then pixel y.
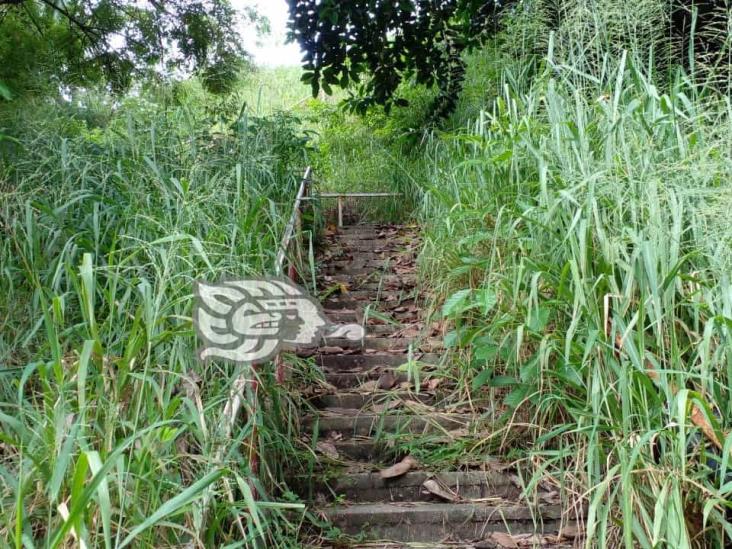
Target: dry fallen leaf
{"type": "Point", "coordinates": [385, 407]}
{"type": "Point", "coordinates": [699, 419]}
{"type": "Point", "coordinates": [458, 433]}
{"type": "Point", "coordinates": [386, 381]}
{"type": "Point", "coordinates": [334, 436]}
{"type": "Point", "coordinates": [417, 407]}
{"type": "Point", "coordinates": [327, 449]}
{"type": "Point", "coordinates": [503, 540]}
{"type": "Point", "coordinates": [369, 386]}
{"type": "Point", "coordinates": [409, 332]}
{"type": "Point", "coordinates": [550, 497]}
{"type": "Point", "coordinates": [437, 489]}
{"type": "Point", "coordinates": [433, 383]}
{"type": "Point", "coordinates": [398, 469]}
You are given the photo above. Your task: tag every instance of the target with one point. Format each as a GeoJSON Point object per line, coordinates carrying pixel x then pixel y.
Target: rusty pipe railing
{"type": "Point", "coordinates": [340, 197]}
{"type": "Point", "coordinates": [292, 231]}
{"type": "Point", "coordinates": [243, 378]}
{"type": "Point", "coordinates": [293, 225]}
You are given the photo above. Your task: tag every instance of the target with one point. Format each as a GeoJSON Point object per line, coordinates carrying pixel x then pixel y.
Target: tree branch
{"type": "Point", "coordinates": [86, 29]}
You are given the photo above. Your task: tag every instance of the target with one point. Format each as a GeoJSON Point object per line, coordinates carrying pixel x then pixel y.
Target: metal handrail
{"type": "Point", "coordinates": [233, 404]}
{"type": "Point", "coordinates": [350, 195]}
{"type": "Point", "coordinates": [340, 196]}
{"type": "Point", "coordinates": [293, 223]}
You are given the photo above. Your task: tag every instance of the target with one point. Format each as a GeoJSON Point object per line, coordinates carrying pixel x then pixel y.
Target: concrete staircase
{"type": "Point", "coordinates": [370, 406]}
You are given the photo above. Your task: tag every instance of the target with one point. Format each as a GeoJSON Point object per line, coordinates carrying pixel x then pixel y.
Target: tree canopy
{"type": "Point", "coordinates": [372, 46]}
{"type": "Point", "coordinates": [86, 42]}
{"type": "Point", "coordinates": [388, 42]}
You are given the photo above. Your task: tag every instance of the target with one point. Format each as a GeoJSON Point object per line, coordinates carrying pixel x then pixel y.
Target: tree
{"type": "Point", "coordinates": [85, 42]}
{"type": "Point", "coordinates": [378, 44]}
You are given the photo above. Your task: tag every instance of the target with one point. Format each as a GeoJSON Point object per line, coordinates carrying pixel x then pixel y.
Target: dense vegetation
{"type": "Point", "coordinates": [577, 246]}
{"type": "Point", "coordinates": [107, 218]}
{"type": "Point", "coordinates": [117, 43]}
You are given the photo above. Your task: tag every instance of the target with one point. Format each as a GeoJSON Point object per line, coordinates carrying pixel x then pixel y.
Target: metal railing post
{"type": "Point", "coordinates": [292, 230]}
{"type": "Point", "coordinates": [294, 223]}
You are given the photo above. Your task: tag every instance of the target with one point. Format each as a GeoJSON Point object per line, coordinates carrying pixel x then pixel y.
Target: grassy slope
{"type": "Point", "coordinates": [589, 267]}
{"type": "Point", "coordinates": [106, 218]}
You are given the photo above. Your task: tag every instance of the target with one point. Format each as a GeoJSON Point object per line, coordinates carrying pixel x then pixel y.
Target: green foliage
{"type": "Point", "coordinates": [106, 417]}
{"type": "Point", "coordinates": [379, 45]}
{"type": "Point", "coordinates": [371, 153]}
{"type": "Point", "coordinates": [576, 242]}
{"type": "Point", "coordinates": [586, 199]}
{"type": "Point", "coordinates": [83, 43]}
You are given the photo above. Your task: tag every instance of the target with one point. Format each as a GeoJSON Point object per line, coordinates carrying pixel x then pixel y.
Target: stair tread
{"type": "Point", "coordinates": [467, 486]}
{"type": "Point", "coordinates": [393, 512]}
{"type": "Point", "coordinates": [362, 361]}
{"type": "Point", "coordinates": [430, 522]}
{"type": "Point", "coordinates": [366, 423]}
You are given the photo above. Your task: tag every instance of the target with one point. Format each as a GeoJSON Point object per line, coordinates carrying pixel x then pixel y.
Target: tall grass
{"type": "Point", "coordinates": [109, 427]}
{"type": "Point", "coordinates": [589, 200]}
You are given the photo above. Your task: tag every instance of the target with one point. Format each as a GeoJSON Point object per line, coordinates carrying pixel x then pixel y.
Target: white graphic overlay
{"type": "Point", "coordinates": [251, 320]}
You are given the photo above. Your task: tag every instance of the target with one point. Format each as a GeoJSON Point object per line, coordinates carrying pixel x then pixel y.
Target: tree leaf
{"type": "Point", "coordinates": [398, 469]}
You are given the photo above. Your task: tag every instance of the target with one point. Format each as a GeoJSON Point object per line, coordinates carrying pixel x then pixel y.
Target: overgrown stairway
{"type": "Point", "coordinates": [386, 393]}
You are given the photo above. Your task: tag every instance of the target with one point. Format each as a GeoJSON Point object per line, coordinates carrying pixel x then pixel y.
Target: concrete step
{"type": "Point", "coordinates": [347, 316]}
{"type": "Point", "coordinates": [388, 330]}
{"type": "Point", "coordinates": [381, 452]}
{"type": "Point", "coordinates": [362, 449]}
{"type": "Point", "coordinates": [374, 237]}
{"type": "Point", "coordinates": [395, 344]}
{"type": "Point", "coordinates": [375, 279]}
{"type": "Point", "coordinates": [368, 423]}
{"type": "Point", "coordinates": [379, 399]}
{"type": "Point", "coordinates": [350, 302]}
{"type": "Point", "coordinates": [384, 343]}
{"type": "Point", "coordinates": [396, 545]}
{"type": "Point", "coordinates": [373, 232]}
{"type": "Point", "coordinates": [375, 226]}
{"type": "Point", "coordinates": [365, 361]}
{"type": "Point", "coordinates": [372, 343]}
{"type": "Point", "coordinates": [348, 253]}
{"type": "Point", "coordinates": [383, 296]}
{"type": "Point", "coordinates": [372, 287]}
{"type": "Point", "coordinates": [434, 522]}
{"type": "Point", "coordinates": [465, 485]}
{"type": "Point", "coordinates": [359, 263]}
{"type": "Point", "coordinates": [377, 246]}
{"type": "Point", "coordinates": [353, 380]}
{"type": "Point", "coordinates": [348, 270]}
